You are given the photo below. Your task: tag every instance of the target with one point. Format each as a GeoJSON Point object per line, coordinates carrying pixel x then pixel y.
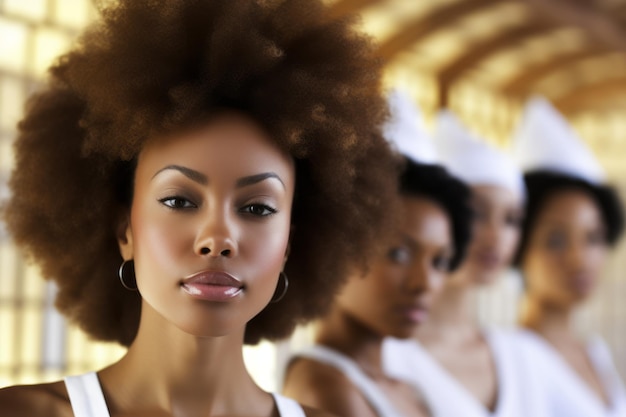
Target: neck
{"type": "Point", "coordinates": [452, 317]}
{"type": "Point", "coordinates": [548, 319]}
{"type": "Point", "coordinates": [169, 370]}
{"type": "Point", "coordinates": [341, 332]}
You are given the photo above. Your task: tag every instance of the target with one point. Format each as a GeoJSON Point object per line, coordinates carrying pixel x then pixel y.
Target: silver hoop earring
{"type": "Point", "coordinates": [284, 290]}
{"type": "Point", "coordinates": [120, 273]}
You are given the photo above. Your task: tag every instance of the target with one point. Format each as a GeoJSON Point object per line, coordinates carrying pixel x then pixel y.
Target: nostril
{"type": "Point", "coordinates": [205, 251]}
{"type": "Point", "coordinates": [225, 252]}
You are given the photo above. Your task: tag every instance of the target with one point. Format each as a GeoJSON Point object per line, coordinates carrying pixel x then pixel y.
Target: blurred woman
{"type": "Point", "coordinates": [343, 373]}
{"type": "Point", "coordinates": [573, 219]}
{"type": "Point", "coordinates": [462, 368]}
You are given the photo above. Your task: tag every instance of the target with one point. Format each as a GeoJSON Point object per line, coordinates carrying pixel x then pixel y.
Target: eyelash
{"type": "Point", "coordinates": [268, 211]}
{"type": "Point", "coordinates": [170, 202]}
{"type": "Point", "coordinates": [172, 206]}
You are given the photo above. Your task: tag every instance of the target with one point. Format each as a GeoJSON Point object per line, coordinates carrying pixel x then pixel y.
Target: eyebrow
{"type": "Point", "coordinates": [192, 174]}
{"type": "Point", "coordinates": [408, 240]}
{"type": "Point", "coordinates": [203, 180]}
{"type": "Point", "coordinates": [253, 179]}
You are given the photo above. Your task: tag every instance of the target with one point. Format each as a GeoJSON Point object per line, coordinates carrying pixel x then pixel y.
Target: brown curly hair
{"type": "Point", "coordinates": [153, 66]}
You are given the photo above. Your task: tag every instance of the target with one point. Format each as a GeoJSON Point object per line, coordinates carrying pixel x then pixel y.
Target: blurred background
{"type": "Point", "coordinates": [480, 58]}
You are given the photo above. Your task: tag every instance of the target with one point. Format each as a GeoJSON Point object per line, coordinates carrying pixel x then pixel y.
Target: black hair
{"type": "Point", "coordinates": [541, 185]}
{"type": "Point", "coordinates": [436, 183]}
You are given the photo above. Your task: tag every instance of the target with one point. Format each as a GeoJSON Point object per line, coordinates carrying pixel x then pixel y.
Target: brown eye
{"type": "Point", "coordinates": [513, 220]}
{"type": "Point", "coordinates": [177, 203]}
{"type": "Point", "coordinates": [399, 255]}
{"type": "Point", "coordinates": [556, 241]}
{"type": "Point", "coordinates": [442, 263]}
{"type": "Point", "coordinates": [597, 237]}
{"type": "Point", "coordinates": [260, 210]}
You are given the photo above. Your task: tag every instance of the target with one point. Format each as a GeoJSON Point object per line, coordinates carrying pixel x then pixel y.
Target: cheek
{"type": "Point", "coordinates": [509, 243]}
{"type": "Point", "coordinates": [598, 258]}
{"type": "Point", "coordinates": [544, 270]}
{"type": "Point", "coordinates": [159, 240]}
{"type": "Point", "coordinates": [368, 293]}
{"type": "Point", "coordinates": [437, 281]}
{"type": "Point", "coordinates": [265, 247]}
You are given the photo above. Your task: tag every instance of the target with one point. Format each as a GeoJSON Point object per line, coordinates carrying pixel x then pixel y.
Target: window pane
{"type": "Point", "coordinates": [49, 44]}
{"type": "Point", "coordinates": [8, 274]}
{"type": "Point", "coordinates": [13, 39]}
{"type": "Point", "coordinates": [11, 105]}
{"type": "Point", "coordinates": [30, 9]}
{"type": "Point", "coordinates": [72, 13]}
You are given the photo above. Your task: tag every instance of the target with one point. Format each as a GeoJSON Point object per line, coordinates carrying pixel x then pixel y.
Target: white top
{"type": "Point", "coordinates": [519, 393]}
{"type": "Point", "coordinates": [372, 393]}
{"type": "Point", "coordinates": [567, 393]}
{"type": "Point", "coordinates": [87, 398]}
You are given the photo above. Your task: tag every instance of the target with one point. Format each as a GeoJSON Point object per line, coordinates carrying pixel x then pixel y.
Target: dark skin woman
{"type": "Point", "coordinates": [229, 177]}
{"type": "Point", "coordinates": [392, 299]}
{"type": "Point", "coordinates": [572, 224]}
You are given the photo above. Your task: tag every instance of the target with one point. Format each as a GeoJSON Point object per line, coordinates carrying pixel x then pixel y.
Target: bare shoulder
{"type": "Point", "coordinates": [324, 387]}
{"type": "Point", "coordinates": [49, 400]}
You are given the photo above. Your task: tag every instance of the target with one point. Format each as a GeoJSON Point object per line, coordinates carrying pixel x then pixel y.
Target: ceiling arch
{"type": "Point", "coordinates": [521, 84]}
{"type": "Point", "coordinates": [602, 23]}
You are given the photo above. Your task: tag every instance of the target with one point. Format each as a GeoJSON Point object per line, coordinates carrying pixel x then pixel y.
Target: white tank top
{"type": "Point", "coordinates": [376, 397]}
{"type": "Point", "coordinates": [87, 398]}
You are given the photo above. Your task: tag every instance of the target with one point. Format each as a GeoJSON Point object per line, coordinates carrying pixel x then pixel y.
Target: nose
{"type": "Point", "coordinates": [418, 280]}
{"type": "Point", "coordinates": [492, 233]}
{"type": "Point", "coordinates": [421, 277]}
{"type": "Point", "coordinates": [577, 256]}
{"type": "Point", "coordinates": [215, 237]}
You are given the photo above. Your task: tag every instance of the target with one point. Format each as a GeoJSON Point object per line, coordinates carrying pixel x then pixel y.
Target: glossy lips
{"type": "Point", "coordinates": [212, 286]}
{"type": "Point", "coordinates": [415, 314]}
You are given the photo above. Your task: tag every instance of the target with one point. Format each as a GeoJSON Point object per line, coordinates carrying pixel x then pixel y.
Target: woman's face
{"type": "Point", "coordinates": [566, 249]}
{"type": "Point", "coordinates": [396, 294]}
{"type": "Point", "coordinates": [209, 224]}
{"type": "Point", "coordinates": [495, 233]}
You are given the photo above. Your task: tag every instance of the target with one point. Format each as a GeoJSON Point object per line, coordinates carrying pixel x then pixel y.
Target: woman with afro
{"type": "Point", "coordinates": [198, 174]}
{"type": "Point", "coordinates": [573, 218]}
{"type": "Point", "coordinates": [343, 372]}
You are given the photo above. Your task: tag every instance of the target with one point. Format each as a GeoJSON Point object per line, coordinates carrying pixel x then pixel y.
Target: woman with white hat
{"type": "Point", "coordinates": [462, 368]}
{"type": "Point", "coordinates": [342, 373]}
{"type": "Point", "coordinates": [573, 219]}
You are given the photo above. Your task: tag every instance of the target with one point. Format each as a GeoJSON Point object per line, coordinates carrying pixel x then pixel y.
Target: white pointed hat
{"type": "Point", "coordinates": [545, 141]}
{"type": "Point", "coordinates": [405, 131]}
{"type": "Point", "coordinates": [472, 159]}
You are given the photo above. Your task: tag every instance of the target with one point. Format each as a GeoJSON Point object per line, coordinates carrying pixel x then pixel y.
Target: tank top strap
{"type": "Point", "coordinates": [86, 396]}
{"type": "Point", "coordinates": [288, 407]}
{"type": "Point", "coordinates": [372, 393]}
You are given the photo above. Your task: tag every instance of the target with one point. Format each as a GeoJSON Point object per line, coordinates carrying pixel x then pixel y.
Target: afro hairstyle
{"type": "Point", "coordinates": [151, 67]}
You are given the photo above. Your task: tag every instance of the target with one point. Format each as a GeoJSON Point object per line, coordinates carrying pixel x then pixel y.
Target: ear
{"type": "Point", "coordinates": [124, 235]}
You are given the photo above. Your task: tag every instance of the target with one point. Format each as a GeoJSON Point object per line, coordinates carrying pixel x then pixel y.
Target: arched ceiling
{"type": "Point", "coordinates": [572, 51]}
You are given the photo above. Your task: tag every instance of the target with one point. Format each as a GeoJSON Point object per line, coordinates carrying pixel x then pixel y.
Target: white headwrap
{"type": "Point", "coordinates": [472, 159]}
{"type": "Point", "coordinates": [405, 131]}
{"type": "Point", "coordinates": [544, 140]}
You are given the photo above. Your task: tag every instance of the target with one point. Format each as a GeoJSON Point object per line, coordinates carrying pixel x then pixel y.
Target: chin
{"type": "Point", "coordinates": [577, 298]}
{"type": "Point", "coordinates": [403, 332]}
{"type": "Point", "coordinates": [484, 277]}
